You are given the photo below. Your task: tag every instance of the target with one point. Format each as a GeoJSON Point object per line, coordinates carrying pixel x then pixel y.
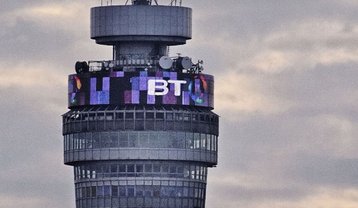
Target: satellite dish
{"type": "Point", "coordinates": [165, 62]}
{"type": "Point", "coordinates": [184, 63]}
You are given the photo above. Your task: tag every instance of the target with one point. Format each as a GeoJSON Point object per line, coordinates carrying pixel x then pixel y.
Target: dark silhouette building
{"type": "Point", "coordinates": [140, 131]}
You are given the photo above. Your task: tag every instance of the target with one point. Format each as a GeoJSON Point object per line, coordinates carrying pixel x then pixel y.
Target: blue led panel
{"type": "Point", "coordinates": [120, 88]}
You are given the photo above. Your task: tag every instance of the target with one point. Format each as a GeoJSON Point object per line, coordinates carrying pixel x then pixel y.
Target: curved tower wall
{"type": "Point", "coordinates": [136, 134]}
{"type": "Point", "coordinates": [141, 30]}
{"type": "Point", "coordinates": [110, 24]}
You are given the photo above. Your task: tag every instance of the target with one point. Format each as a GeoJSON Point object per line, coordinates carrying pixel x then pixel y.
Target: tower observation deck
{"type": "Point", "coordinates": [140, 130]}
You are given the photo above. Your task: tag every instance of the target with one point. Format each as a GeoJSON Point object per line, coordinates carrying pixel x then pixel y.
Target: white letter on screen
{"type": "Point", "coordinates": [177, 86]}
{"type": "Point", "coordinates": [153, 87]}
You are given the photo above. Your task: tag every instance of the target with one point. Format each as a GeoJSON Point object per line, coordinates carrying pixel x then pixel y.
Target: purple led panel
{"type": "Point", "coordinates": [121, 88]}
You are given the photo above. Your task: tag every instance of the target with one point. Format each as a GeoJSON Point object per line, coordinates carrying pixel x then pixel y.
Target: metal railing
{"type": "Point", "coordinates": [123, 64]}
{"type": "Point", "coordinates": [150, 2]}
{"type": "Point", "coordinates": [129, 65]}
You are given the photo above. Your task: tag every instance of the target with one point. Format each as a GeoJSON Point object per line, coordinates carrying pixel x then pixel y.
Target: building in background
{"type": "Point", "coordinates": [140, 131]}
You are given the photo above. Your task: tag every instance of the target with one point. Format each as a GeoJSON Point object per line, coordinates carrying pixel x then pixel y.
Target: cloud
{"type": "Point", "coordinates": [273, 36]}
{"type": "Point", "coordinates": [12, 202]}
{"type": "Point", "coordinates": [243, 94]}
{"type": "Point", "coordinates": [328, 42]}
{"type": "Point", "coordinates": [324, 198]}
{"type": "Point", "coordinates": [286, 91]}
{"type": "Point", "coordinates": [54, 33]}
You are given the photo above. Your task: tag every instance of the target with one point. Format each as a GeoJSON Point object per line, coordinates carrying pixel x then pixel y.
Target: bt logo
{"type": "Point", "coordinates": [160, 87]}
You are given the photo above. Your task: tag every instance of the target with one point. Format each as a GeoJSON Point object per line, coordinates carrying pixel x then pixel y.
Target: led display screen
{"type": "Point", "coordinates": [142, 88]}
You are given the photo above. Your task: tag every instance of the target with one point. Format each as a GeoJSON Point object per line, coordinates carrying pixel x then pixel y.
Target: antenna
{"type": "Point", "coordinates": [109, 2]}
{"type": "Point", "coordinates": [141, 2]}
{"type": "Point", "coordinates": [175, 3]}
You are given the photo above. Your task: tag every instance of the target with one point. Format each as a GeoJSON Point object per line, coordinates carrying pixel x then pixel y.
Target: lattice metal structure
{"type": "Point", "coordinates": [141, 131]}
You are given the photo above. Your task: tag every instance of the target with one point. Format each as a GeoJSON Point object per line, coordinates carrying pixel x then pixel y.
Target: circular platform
{"type": "Point", "coordinates": [167, 24]}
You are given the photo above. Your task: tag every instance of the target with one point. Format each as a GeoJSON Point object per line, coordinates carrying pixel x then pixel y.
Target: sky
{"type": "Point", "coordinates": [286, 90]}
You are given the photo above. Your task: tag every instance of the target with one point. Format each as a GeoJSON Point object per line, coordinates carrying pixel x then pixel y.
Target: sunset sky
{"type": "Point", "coordinates": [286, 82]}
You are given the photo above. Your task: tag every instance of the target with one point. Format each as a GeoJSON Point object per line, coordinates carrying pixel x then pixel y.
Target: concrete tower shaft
{"type": "Point", "coordinates": [140, 132]}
